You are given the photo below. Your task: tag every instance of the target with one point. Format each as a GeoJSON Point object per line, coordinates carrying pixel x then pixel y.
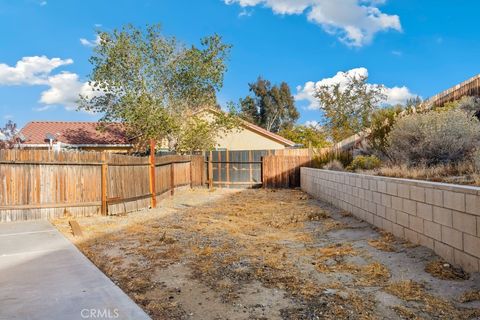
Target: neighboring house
{"type": "Point", "coordinates": [86, 136]}
{"type": "Point", "coordinates": [248, 136]}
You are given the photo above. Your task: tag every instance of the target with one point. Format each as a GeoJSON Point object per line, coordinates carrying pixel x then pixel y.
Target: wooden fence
{"type": "Point", "coordinates": [38, 184]}
{"type": "Point", "coordinates": [283, 171]}
{"type": "Point", "coordinates": [254, 168]}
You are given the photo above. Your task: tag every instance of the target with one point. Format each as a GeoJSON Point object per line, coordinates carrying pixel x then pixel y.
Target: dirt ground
{"type": "Point", "coordinates": [270, 254]}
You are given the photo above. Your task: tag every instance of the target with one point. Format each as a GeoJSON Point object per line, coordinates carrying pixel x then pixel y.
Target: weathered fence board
{"type": "Point", "coordinates": [283, 171]}
{"type": "Point", "coordinates": [38, 184]}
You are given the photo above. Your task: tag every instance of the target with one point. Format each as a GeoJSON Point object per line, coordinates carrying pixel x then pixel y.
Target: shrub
{"type": "Point", "coordinates": [382, 123]}
{"type": "Point", "coordinates": [364, 163]}
{"type": "Point", "coordinates": [334, 165]}
{"type": "Point", "coordinates": [434, 138]}
{"type": "Point", "coordinates": [344, 157]}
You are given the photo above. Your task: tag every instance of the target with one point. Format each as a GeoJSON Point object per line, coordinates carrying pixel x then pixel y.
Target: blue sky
{"type": "Point", "coordinates": [410, 46]}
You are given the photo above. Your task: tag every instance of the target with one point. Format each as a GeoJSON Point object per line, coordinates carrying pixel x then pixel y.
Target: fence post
{"type": "Point", "coordinates": [191, 168]}
{"type": "Point", "coordinates": [104, 208]}
{"type": "Point", "coordinates": [264, 183]}
{"type": "Point", "coordinates": [172, 177]}
{"type": "Point", "coordinates": [153, 191]}
{"type": "Point", "coordinates": [210, 171]}
{"type": "Point", "coordinates": [227, 159]}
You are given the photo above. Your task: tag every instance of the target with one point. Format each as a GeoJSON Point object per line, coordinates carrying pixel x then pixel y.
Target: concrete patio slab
{"type": "Point", "coordinates": [44, 276]}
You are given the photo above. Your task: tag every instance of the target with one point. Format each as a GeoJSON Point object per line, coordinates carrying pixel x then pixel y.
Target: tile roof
{"type": "Point", "coordinates": [75, 133]}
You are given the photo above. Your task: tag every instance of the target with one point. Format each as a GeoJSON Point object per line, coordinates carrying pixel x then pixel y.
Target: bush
{"type": "Point", "coordinates": [382, 123]}
{"type": "Point", "coordinates": [344, 157]}
{"type": "Point", "coordinates": [364, 163]}
{"type": "Point", "coordinates": [434, 138]}
{"type": "Point", "coordinates": [334, 165]}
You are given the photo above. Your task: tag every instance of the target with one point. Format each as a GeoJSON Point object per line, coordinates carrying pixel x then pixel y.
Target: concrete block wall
{"type": "Point", "coordinates": [442, 217]}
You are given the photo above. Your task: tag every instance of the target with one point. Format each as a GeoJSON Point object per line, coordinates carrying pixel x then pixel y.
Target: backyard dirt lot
{"type": "Point", "coordinates": [270, 254]}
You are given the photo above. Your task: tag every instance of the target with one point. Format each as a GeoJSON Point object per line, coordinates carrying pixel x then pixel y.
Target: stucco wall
{"type": "Point", "coordinates": [442, 217]}
{"type": "Point", "coordinates": [244, 139]}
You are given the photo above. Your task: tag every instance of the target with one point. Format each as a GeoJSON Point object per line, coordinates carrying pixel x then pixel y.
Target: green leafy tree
{"type": "Point", "coordinates": [201, 132]}
{"type": "Point", "coordinates": [151, 82]}
{"type": "Point", "coordinates": [308, 136]}
{"type": "Point", "coordinates": [348, 106]}
{"type": "Point", "coordinates": [382, 121]}
{"type": "Point", "coordinates": [271, 107]}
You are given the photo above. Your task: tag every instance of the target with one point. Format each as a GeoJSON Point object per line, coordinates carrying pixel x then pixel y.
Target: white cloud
{"type": "Point", "coordinates": [63, 88]}
{"type": "Point", "coordinates": [90, 43]}
{"type": "Point", "coordinates": [395, 95]}
{"type": "Point", "coordinates": [43, 3]}
{"type": "Point", "coordinates": [30, 70]}
{"type": "Point", "coordinates": [354, 22]}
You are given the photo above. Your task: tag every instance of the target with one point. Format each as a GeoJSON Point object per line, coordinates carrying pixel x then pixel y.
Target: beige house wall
{"type": "Point", "coordinates": [442, 217]}
{"type": "Point", "coordinates": [244, 139]}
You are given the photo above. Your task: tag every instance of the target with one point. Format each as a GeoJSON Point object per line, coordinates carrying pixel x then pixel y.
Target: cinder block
{"type": "Point", "coordinates": [478, 226]}
{"type": "Point", "coordinates": [373, 185]}
{"type": "Point", "coordinates": [368, 217]}
{"type": "Point", "coordinates": [361, 193]}
{"type": "Point", "coordinates": [368, 195]}
{"type": "Point", "coordinates": [392, 188]}
{"type": "Point", "coordinates": [397, 203]}
{"type": "Point", "coordinates": [425, 211]}
{"type": "Point", "coordinates": [402, 218]}
{"type": "Point", "coordinates": [425, 241]}
{"type": "Point", "coordinates": [472, 245]}
{"type": "Point", "coordinates": [416, 224]}
{"type": "Point", "coordinates": [444, 251]}
{"type": "Point", "coordinates": [386, 200]}
{"type": "Point", "coordinates": [411, 236]}
{"type": "Point", "coordinates": [378, 222]}
{"type": "Point", "coordinates": [365, 183]}
{"type": "Point", "coordinates": [417, 193]}
{"type": "Point", "coordinates": [454, 200]}
{"type": "Point", "coordinates": [433, 230]}
{"type": "Point", "coordinates": [409, 206]}
{"type": "Point", "coordinates": [377, 197]}
{"type": "Point", "coordinates": [381, 211]}
{"type": "Point", "coordinates": [452, 237]}
{"type": "Point", "coordinates": [372, 207]}
{"type": "Point", "coordinates": [465, 223]}
{"type": "Point", "coordinates": [466, 261]}
{"type": "Point", "coordinates": [382, 186]}
{"type": "Point", "coordinates": [403, 190]}
{"type": "Point", "coordinates": [391, 215]}
{"type": "Point", "coordinates": [434, 196]}
{"type": "Point", "coordinates": [387, 225]}
{"type": "Point", "coordinates": [443, 216]}
{"type": "Point", "coordinates": [398, 230]}
{"type": "Point", "coordinates": [473, 204]}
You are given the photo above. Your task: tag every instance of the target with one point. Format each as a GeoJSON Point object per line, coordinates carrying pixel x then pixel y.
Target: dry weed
{"type": "Point", "coordinates": [470, 296]}
{"type": "Point", "coordinates": [385, 243]}
{"type": "Point", "coordinates": [445, 271]}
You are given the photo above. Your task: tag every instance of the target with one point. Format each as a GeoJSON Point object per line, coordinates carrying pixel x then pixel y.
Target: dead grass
{"type": "Point", "coordinates": [385, 243]}
{"type": "Point", "coordinates": [250, 236]}
{"type": "Point", "coordinates": [438, 308]}
{"type": "Point", "coordinates": [470, 296]}
{"type": "Point", "coordinates": [406, 313]}
{"type": "Point", "coordinates": [462, 173]}
{"type": "Point", "coordinates": [445, 271]}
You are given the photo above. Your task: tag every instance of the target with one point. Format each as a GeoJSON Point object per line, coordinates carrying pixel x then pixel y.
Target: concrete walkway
{"type": "Point", "coordinates": [44, 276]}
